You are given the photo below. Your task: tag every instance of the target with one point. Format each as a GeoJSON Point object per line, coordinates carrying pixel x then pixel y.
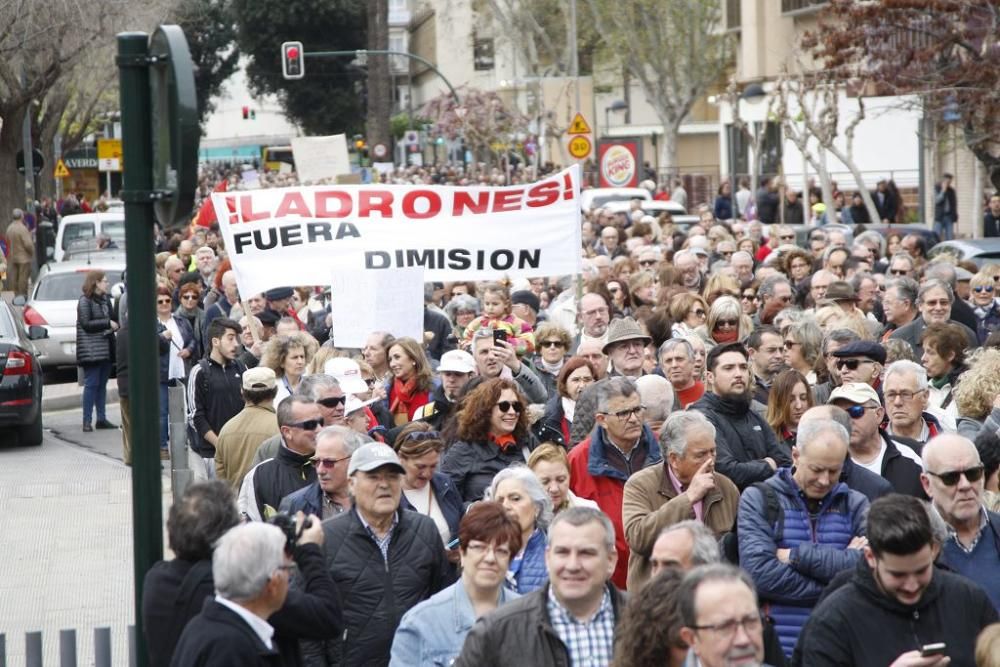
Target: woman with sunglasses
{"type": "Point", "coordinates": [688, 311]}
{"type": "Point", "coordinates": [521, 494]}
{"type": "Point", "coordinates": [177, 348]}
{"type": "Point", "coordinates": [621, 301]}
{"type": "Point", "coordinates": [748, 298]}
{"type": "Point", "coordinates": [425, 490]}
{"type": "Point", "coordinates": [789, 398]}
{"type": "Point", "coordinates": [803, 343]}
{"type": "Point", "coordinates": [189, 295]}
{"type": "Point", "coordinates": [491, 433]}
{"type": "Point", "coordinates": [552, 343]}
{"type": "Point", "coordinates": [726, 323]}
{"type": "Point", "coordinates": [985, 305]}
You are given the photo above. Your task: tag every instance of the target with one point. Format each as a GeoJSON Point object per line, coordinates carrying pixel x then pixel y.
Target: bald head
{"type": "Point", "coordinates": [944, 447]}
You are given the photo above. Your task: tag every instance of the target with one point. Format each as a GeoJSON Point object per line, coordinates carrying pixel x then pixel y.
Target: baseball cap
{"type": "Point", "coordinates": [348, 374]}
{"type": "Point", "coordinates": [260, 377]}
{"type": "Point", "coordinates": [354, 404]}
{"type": "Point", "coordinates": [457, 361]}
{"type": "Point", "coordinates": [855, 392]}
{"type": "Point", "coordinates": [372, 456]}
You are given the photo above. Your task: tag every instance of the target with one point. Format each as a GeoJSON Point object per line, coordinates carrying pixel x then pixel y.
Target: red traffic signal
{"type": "Point", "coordinates": [246, 112]}
{"type": "Point", "coordinates": [292, 61]}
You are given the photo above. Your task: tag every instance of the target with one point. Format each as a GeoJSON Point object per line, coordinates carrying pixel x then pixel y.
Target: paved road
{"type": "Point", "coordinates": [67, 531]}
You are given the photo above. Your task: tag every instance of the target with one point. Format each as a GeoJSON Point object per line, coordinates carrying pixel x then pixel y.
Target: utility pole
{"type": "Point", "coordinates": [27, 148]}
{"type": "Point", "coordinates": [379, 78]}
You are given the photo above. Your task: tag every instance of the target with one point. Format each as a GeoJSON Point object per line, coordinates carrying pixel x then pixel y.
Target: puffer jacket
{"type": "Point", "coordinates": [94, 336]}
{"type": "Point", "coordinates": [472, 465]}
{"type": "Point", "coordinates": [267, 483]}
{"type": "Point", "coordinates": [818, 543]}
{"type": "Point", "coordinates": [743, 440]}
{"type": "Point", "coordinates": [375, 593]}
{"type": "Point", "coordinates": [529, 573]}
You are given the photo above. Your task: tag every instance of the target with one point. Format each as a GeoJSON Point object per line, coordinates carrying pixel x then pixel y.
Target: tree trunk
{"type": "Point", "coordinates": [379, 78]}
{"type": "Point", "coordinates": [866, 196]}
{"type": "Point", "coordinates": [668, 150]}
{"type": "Point", "coordinates": [826, 186]}
{"type": "Point", "coordinates": [11, 182]}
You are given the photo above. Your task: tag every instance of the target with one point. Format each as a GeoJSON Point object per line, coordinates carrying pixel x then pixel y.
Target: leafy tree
{"type": "Point", "coordinates": [330, 97]}
{"type": "Point", "coordinates": [675, 49]}
{"type": "Point", "coordinates": [944, 52]}
{"type": "Point", "coordinates": [210, 28]}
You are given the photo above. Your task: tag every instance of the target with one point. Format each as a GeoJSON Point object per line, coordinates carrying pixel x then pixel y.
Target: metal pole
{"type": "Point", "coordinates": [180, 474]}
{"type": "Point", "coordinates": [26, 148]}
{"type": "Point", "coordinates": [137, 144]}
{"type": "Point", "coordinates": [57, 152]}
{"type": "Point", "coordinates": [102, 647]}
{"type": "Point", "coordinates": [3, 650]}
{"type": "Point", "coordinates": [67, 648]}
{"type": "Point", "coordinates": [365, 52]}
{"type": "Point", "coordinates": [33, 649]}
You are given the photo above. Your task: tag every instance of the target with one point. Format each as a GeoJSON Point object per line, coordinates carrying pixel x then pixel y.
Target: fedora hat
{"type": "Point", "coordinates": [622, 330]}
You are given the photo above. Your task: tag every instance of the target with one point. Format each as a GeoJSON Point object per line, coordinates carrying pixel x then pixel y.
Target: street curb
{"type": "Point", "coordinates": [68, 402]}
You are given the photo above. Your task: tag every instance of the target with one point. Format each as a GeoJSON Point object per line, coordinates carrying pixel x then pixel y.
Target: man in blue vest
{"type": "Point", "coordinates": [954, 479]}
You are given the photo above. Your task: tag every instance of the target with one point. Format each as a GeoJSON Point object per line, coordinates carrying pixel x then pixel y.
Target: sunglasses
{"type": "Point", "coordinates": [983, 288]}
{"type": "Point", "coordinates": [189, 296]}
{"type": "Point", "coordinates": [327, 463]}
{"type": "Point", "coordinates": [420, 436]}
{"type": "Point", "coordinates": [648, 262]}
{"type": "Point", "coordinates": [787, 237]}
{"type": "Point", "coordinates": [898, 272]}
{"type": "Point", "coordinates": [951, 478]}
{"type": "Point", "coordinates": [856, 411]}
{"type": "Point", "coordinates": [506, 406]}
{"type": "Point", "coordinates": [162, 301]}
{"type": "Point", "coordinates": [332, 401]}
{"type": "Point", "coordinates": [370, 382]}
{"type": "Point", "coordinates": [307, 425]}
{"type": "Point", "coordinates": [749, 297]}
{"type": "Point", "coordinates": [851, 364]}
{"type": "Point", "coordinates": [726, 323]}
{"type": "Point", "coordinates": [552, 343]}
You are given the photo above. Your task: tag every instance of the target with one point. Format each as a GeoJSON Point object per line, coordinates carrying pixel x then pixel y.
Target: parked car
{"type": "Point", "coordinates": [20, 378]}
{"type": "Point", "coordinates": [654, 208]}
{"type": "Point", "coordinates": [596, 197]}
{"type": "Point", "coordinates": [979, 251]}
{"type": "Point", "coordinates": [52, 304]}
{"type": "Point", "coordinates": [930, 236]}
{"type": "Point", "coordinates": [85, 227]}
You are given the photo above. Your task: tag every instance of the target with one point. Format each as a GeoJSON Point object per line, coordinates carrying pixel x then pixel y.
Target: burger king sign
{"type": "Point", "coordinates": [619, 162]}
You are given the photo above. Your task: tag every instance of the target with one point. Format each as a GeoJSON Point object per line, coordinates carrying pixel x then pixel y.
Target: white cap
{"type": "Point", "coordinates": [348, 374]}
{"type": "Point", "coordinates": [354, 403]}
{"type": "Point", "coordinates": [457, 361]}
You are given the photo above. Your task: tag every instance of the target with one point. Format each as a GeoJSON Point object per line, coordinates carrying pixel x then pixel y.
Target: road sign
{"type": "Point", "coordinates": [109, 154]}
{"type": "Point", "coordinates": [379, 150]}
{"type": "Point", "coordinates": [37, 161]}
{"type": "Point", "coordinates": [61, 170]}
{"type": "Point", "coordinates": [412, 137]}
{"type": "Point", "coordinates": [579, 147]}
{"type": "Point", "coordinates": [579, 125]}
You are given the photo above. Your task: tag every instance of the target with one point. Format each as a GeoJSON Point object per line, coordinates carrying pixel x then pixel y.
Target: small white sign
{"type": "Point", "coordinates": [251, 178]}
{"type": "Point", "coordinates": [319, 158]}
{"type": "Point", "coordinates": [109, 164]}
{"type": "Point", "coordinates": [367, 301]}
{"type": "Point", "coordinates": [411, 137]}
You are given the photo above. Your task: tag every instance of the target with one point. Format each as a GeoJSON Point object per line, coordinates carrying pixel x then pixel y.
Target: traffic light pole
{"type": "Point", "coordinates": [137, 144]}
{"type": "Point", "coordinates": [365, 52]}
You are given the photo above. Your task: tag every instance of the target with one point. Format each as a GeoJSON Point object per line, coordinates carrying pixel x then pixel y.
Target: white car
{"type": "Point", "coordinates": [654, 208]}
{"type": "Point", "coordinates": [597, 197]}
{"type": "Point", "coordinates": [80, 231]}
{"type": "Point", "coordinates": [52, 305]}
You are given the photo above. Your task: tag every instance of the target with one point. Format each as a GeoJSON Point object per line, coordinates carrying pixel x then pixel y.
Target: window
{"type": "Point", "coordinates": [482, 53]}
{"type": "Point", "coordinates": [789, 6]}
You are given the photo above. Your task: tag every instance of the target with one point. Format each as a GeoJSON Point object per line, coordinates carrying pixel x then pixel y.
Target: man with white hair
{"type": "Point", "coordinates": [688, 267]}
{"type": "Point", "coordinates": [742, 263]}
{"type": "Point", "coordinates": [953, 479]}
{"type": "Point", "coordinates": [206, 263]}
{"type": "Point", "coordinates": [906, 396]}
{"type": "Point", "coordinates": [250, 570]}
{"type": "Point", "coordinates": [677, 361]}
{"type": "Point", "coordinates": [658, 396]}
{"type": "Point", "coordinates": [224, 302]}
{"type": "Point", "coordinates": [685, 486]}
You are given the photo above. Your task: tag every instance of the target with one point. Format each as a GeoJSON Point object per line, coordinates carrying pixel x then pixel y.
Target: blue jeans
{"type": "Point", "coordinates": [945, 228]}
{"type": "Point", "coordinates": [95, 386]}
{"type": "Point", "coordinates": [164, 415]}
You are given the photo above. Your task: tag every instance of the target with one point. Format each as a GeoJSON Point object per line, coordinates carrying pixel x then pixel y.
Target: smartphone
{"type": "Point", "coordinates": [455, 542]}
{"type": "Point", "coordinates": [928, 650]}
{"type": "Point", "coordinates": [499, 335]}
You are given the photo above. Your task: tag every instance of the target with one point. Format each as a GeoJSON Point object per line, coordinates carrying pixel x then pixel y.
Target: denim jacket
{"type": "Point", "coordinates": [432, 633]}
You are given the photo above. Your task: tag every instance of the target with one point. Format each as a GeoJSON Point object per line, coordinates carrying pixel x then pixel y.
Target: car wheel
{"type": "Point", "coordinates": [31, 434]}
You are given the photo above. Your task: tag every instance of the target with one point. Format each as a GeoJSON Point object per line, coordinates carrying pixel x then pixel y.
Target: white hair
{"type": "Point", "coordinates": [907, 366]}
{"type": "Point", "coordinates": [245, 558]}
{"type": "Point", "coordinates": [532, 487]}
{"type": "Point", "coordinates": [809, 430]}
{"type": "Point", "coordinates": [674, 434]}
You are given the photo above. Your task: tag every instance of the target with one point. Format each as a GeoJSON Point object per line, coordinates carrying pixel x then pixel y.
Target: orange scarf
{"type": "Point", "coordinates": [506, 443]}
{"type": "Point", "coordinates": [405, 400]}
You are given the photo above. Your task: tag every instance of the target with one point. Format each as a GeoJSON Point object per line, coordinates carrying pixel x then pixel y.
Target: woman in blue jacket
{"type": "Point", "coordinates": [522, 495]}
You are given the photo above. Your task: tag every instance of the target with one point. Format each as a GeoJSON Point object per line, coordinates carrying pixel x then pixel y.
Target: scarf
{"type": "Point", "coordinates": [551, 369]}
{"type": "Point", "coordinates": [569, 407]}
{"type": "Point", "coordinates": [506, 442]}
{"type": "Point", "coordinates": [723, 338]}
{"type": "Point", "coordinates": [734, 404]}
{"type": "Point", "coordinates": [405, 399]}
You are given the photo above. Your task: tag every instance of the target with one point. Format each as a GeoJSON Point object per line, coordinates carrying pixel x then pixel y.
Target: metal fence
{"type": "Point", "coordinates": [68, 655]}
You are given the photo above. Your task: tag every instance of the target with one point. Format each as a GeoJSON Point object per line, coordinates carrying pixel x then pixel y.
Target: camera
{"type": "Point", "coordinates": [287, 526]}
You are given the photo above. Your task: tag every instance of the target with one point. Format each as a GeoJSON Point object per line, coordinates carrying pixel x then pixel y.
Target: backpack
{"type": "Point", "coordinates": [729, 542]}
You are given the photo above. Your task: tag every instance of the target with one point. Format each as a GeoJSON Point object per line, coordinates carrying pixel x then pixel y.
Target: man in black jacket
{"type": "Point", "coordinates": [747, 450]}
{"type": "Point", "coordinates": [175, 590]}
{"type": "Point", "coordinates": [383, 559]}
{"type": "Point", "coordinates": [898, 602]}
{"type": "Point", "coordinates": [291, 468]}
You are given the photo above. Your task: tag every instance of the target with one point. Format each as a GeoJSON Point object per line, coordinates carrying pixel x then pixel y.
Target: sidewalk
{"type": "Point", "coordinates": [69, 395]}
{"type": "Point", "coordinates": [67, 556]}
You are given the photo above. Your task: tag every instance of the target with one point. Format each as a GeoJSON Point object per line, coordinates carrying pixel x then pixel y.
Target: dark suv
{"type": "Point", "coordinates": [20, 379]}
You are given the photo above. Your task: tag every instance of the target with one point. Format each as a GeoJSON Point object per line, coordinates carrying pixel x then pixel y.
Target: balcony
{"type": "Point", "coordinates": [734, 18]}
{"type": "Point", "coordinates": [801, 6]}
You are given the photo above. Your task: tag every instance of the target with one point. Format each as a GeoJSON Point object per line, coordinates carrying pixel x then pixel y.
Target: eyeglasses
{"type": "Point", "coordinates": [727, 253]}
{"type": "Point", "coordinates": [898, 272]}
{"type": "Point", "coordinates": [506, 406]}
{"type": "Point", "coordinates": [190, 296]}
{"type": "Point", "coordinates": [160, 302]}
{"type": "Point", "coordinates": [851, 364]}
{"type": "Point", "coordinates": [938, 303]}
{"type": "Point", "coordinates": [326, 463]}
{"type": "Point", "coordinates": [480, 549]}
{"type": "Point", "coordinates": [951, 478]}
{"type": "Point", "coordinates": [552, 343]}
{"type": "Point", "coordinates": [726, 629]}
{"type": "Point", "coordinates": [307, 425]}
{"type": "Point", "coordinates": [648, 262]}
{"type": "Point", "coordinates": [790, 344]}
{"type": "Point", "coordinates": [725, 323]}
{"type": "Point", "coordinates": [332, 401]}
{"type": "Point", "coordinates": [891, 396]}
{"type": "Point", "coordinates": [625, 415]}
{"type": "Point", "coordinates": [984, 288]}
{"type": "Point", "coordinates": [787, 237]}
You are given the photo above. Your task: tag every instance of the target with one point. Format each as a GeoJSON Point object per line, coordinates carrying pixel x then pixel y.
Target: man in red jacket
{"type": "Point", "coordinates": [620, 444]}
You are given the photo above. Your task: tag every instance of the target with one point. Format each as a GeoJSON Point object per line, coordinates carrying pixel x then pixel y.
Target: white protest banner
{"type": "Point", "coordinates": [296, 236]}
{"type": "Point", "coordinates": [365, 301]}
{"type": "Point", "coordinates": [317, 158]}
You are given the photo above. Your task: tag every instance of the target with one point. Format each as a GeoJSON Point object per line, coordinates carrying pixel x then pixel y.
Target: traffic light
{"type": "Point", "coordinates": [246, 112]}
{"type": "Point", "coordinates": [292, 63]}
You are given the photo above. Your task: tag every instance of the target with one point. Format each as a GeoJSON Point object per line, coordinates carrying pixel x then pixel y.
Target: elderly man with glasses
{"type": "Point", "coordinates": [935, 301]}
{"type": "Point", "coordinates": [911, 421]}
{"type": "Point", "coordinates": [328, 496]}
{"type": "Point", "coordinates": [870, 447]}
{"type": "Point", "coordinates": [620, 445]}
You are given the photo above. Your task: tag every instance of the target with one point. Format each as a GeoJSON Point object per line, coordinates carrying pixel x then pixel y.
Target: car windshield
{"type": "Point", "coordinates": [115, 229]}
{"type": "Point", "coordinates": [7, 328]}
{"type": "Point", "coordinates": [67, 286]}
{"type": "Point", "coordinates": [601, 200]}
{"type": "Point", "coordinates": [76, 231]}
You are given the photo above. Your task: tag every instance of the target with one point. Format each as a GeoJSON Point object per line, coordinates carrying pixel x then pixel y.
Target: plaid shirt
{"type": "Point", "coordinates": [383, 543]}
{"type": "Point", "coordinates": [590, 643]}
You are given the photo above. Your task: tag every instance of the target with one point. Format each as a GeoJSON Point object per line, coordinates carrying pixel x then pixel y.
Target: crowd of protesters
{"type": "Point", "coordinates": [725, 443]}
